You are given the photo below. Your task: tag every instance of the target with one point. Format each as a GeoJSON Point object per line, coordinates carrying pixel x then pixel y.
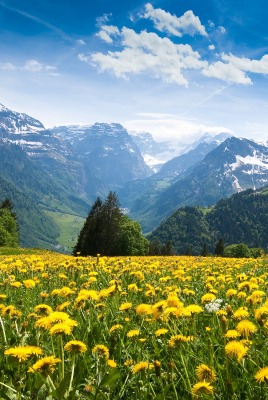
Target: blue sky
{"type": "Point", "coordinates": [175, 68]}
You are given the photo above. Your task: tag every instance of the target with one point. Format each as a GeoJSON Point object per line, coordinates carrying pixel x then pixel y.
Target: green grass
{"type": "Point", "coordinates": [70, 226]}
{"type": "Point", "coordinates": [6, 251]}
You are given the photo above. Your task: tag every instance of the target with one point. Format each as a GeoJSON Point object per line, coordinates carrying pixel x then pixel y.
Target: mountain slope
{"type": "Point", "coordinates": [234, 165]}
{"type": "Point", "coordinates": [243, 217]}
{"type": "Point", "coordinates": [36, 229]}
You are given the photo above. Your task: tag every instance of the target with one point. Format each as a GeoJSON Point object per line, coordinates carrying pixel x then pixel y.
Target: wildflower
{"type": "Point", "coordinates": [111, 363]}
{"type": "Point", "coordinates": [101, 351]}
{"type": "Point", "coordinates": [125, 306]}
{"type": "Point", "coordinates": [246, 327]}
{"type": "Point", "coordinates": [143, 309]}
{"type": "Point", "coordinates": [208, 297]}
{"type": "Point", "coordinates": [43, 309]}
{"type": "Point", "coordinates": [75, 346]}
{"type": "Point", "coordinates": [45, 365]}
{"type": "Point", "coordinates": [232, 334]}
{"type": "Point", "coordinates": [62, 306]}
{"type": "Point", "coordinates": [61, 328]}
{"type": "Point", "coordinates": [178, 339]}
{"type": "Point", "coordinates": [22, 353]}
{"type": "Point", "coordinates": [213, 306]}
{"type": "Point", "coordinates": [193, 309]}
{"type": "Point", "coordinates": [115, 327]}
{"type": "Point", "coordinates": [202, 388]}
{"type": "Point", "coordinates": [133, 332]}
{"type": "Point", "coordinates": [231, 293]}
{"type": "Point", "coordinates": [205, 373]}
{"type": "Point", "coordinates": [43, 322]}
{"type": "Point", "coordinates": [141, 366]}
{"type": "Point", "coordinates": [241, 313]}
{"type": "Point", "coordinates": [160, 331]}
{"type": "Point", "coordinates": [262, 375]}
{"type": "Point", "coordinates": [236, 349]}
{"type": "Point", "coordinates": [29, 283]}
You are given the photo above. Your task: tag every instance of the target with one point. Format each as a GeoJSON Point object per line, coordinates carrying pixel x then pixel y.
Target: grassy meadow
{"type": "Point", "coordinates": [133, 328]}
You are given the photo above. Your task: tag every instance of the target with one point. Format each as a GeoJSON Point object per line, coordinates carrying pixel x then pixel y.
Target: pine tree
{"type": "Point", "coordinates": [219, 248]}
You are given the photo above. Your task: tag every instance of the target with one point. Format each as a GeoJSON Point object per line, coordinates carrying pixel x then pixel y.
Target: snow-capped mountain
{"type": "Point", "coordinates": [12, 122]}
{"type": "Point", "coordinates": [235, 165]}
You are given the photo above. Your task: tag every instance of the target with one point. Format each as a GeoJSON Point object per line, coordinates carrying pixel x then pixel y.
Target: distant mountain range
{"type": "Point", "coordinates": [59, 172]}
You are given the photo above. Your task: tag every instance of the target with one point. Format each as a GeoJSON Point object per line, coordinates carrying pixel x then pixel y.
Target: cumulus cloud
{"type": "Point", "coordinates": [188, 23]}
{"type": "Point", "coordinates": [30, 66]}
{"type": "Point", "coordinates": [172, 128]}
{"type": "Point", "coordinates": [233, 69]}
{"type": "Point", "coordinates": [147, 52]}
{"type": "Point", "coordinates": [107, 32]}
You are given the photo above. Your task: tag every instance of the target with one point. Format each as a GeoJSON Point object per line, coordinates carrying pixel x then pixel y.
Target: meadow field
{"type": "Point", "coordinates": [133, 328]}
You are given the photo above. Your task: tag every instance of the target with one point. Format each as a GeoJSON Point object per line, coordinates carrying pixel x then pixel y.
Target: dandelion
{"type": "Point", "coordinates": [111, 363]}
{"type": "Point", "coordinates": [115, 328]}
{"type": "Point", "coordinates": [205, 373]}
{"type": "Point", "coordinates": [160, 332]}
{"type": "Point", "coordinates": [29, 283]}
{"type": "Point", "coordinates": [22, 353]}
{"type": "Point", "coordinates": [43, 309]}
{"type": "Point", "coordinates": [262, 375]}
{"type": "Point", "coordinates": [61, 328]}
{"type": "Point", "coordinates": [241, 313]}
{"type": "Point", "coordinates": [125, 306]}
{"type": "Point", "coordinates": [201, 388]}
{"type": "Point", "coordinates": [143, 309]}
{"type": "Point", "coordinates": [45, 365]}
{"type": "Point", "coordinates": [246, 327]}
{"type": "Point", "coordinates": [101, 351]}
{"type": "Point", "coordinates": [232, 334]}
{"type": "Point", "coordinates": [236, 349]}
{"type": "Point", "coordinates": [133, 332]}
{"type": "Point", "coordinates": [75, 346]}
{"type": "Point", "coordinates": [141, 366]}
{"type": "Point", "coordinates": [178, 339]}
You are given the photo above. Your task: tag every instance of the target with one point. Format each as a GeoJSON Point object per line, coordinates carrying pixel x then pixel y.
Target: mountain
{"type": "Point", "coordinates": [141, 193]}
{"type": "Point", "coordinates": [63, 170]}
{"type": "Point", "coordinates": [241, 218]}
{"type": "Point", "coordinates": [234, 165]}
{"type": "Point", "coordinates": [36, 229]}
{"type": "Point", "coordinates": [155, 154]}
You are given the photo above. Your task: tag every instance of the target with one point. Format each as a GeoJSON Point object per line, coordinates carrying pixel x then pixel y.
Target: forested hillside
{"type": "Point", "coordinates": [9, 235]}
{"type": "Point", "coordinates": [242, 217]}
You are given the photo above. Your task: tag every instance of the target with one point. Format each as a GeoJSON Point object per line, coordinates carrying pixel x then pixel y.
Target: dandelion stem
{"type": "Point", "coordinates": [8, 387]}
{"type": "Point", "coordinates": [3, 330]}
{"type": "Point", "coordinates": [72, 375]}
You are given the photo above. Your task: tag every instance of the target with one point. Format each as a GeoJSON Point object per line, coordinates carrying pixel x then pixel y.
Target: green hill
{"type": "Point", "coordinates": [241, 218]}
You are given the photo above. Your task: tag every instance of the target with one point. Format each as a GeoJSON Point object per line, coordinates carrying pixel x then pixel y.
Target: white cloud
{"type": "Point", "coordinates": [107, 32]}
{"type": "Point", "coordinates": [103, 19]}
{"type": "Point", "coordinates": [188, 23]}
{"type": "Point", "coordinates": [226, 72]}
{"type": "Point", "coordinates": [233, 69]}
{"type": "Point", "coordinates": [211, 47]}
{"type": "Point", "coordinates": [81, 42]}
{"type": "Point", "coordinates": [8, 66]}
{"type": "Point", "coordinates": [221, 29]}
{"type": "Point", "coordinates": [31, 66]}
{"type": "Point", "coordinates": [172, 128]}
{"type": "Point", "coordinates": [147, 52]}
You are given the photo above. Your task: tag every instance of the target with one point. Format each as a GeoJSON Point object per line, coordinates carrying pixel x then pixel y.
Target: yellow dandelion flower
{"type": "Point", "coordinates": [22, 353]}
{"type": "Point", "coordinates": [208, 297]}
{"type": "Point", "coordinates": [232, 334]}
{"type": "Point", "coordinates": [29, 283]}
{"type": "Point", "coordinates": [61, 328]}
{"type": "Point", "coordinates": [201, 388]}
{"type": "Point", "coordinates": [178, 339]}
{"type": "Point", "coordinates": [246, 327]}
{"type": "Point", "coordinates": [236, 349]}
{"type": "Point", "coordinates": [241, 313]}
{"type": "Point", "coordinates": [75, 346]}
{"type": "Point", "coordinates": [43, 309]}
{"type": "Point", "coordinates": [125, 306]}
{"type": "Point", "coordinates": [115, 328]}
{"type": "Point", "coordinates": [143, 309]}
{"type": "Point", "coordinates": [261, 314]}
{"type": "Point", "coordinates": [133, 332]}
{"type": "Point", "coordinates": [45, 365]}
{"type": "Point", "coordinates": [62, 306]}
{"type": "Point", "coordinates": [193, 309]}
{"type": "Point", "coordinates": [101, 351]}
{"type": "Point", "coordinates": [141, 366]}
{"type": "Point", "coordinates": [231, 293]}
{"type": "Point", "coordinates": [111, 363]}
{"type": "Point", "coordinates": [160, 332]}
{"type": "Point", "coordinates": [205, 373]}
{"type": "Point", "coordinates": [43, 322]}
{"type": "Point", "coordinates": [262, 375]}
